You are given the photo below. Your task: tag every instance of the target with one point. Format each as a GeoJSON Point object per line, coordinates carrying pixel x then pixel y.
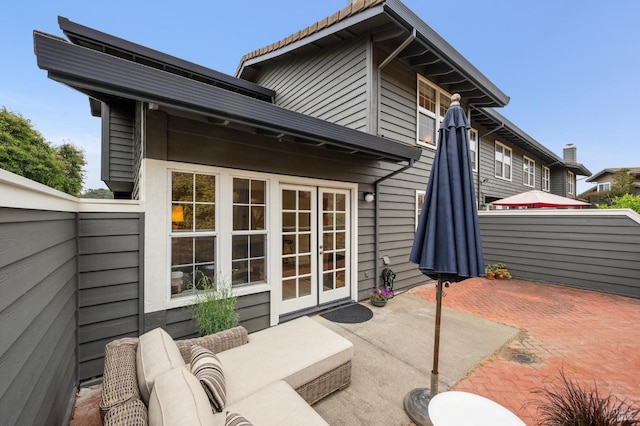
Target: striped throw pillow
{"type": "Point", "coordinates": [207, 368]}
{"type": "Point", "coordinates": [235, 419]}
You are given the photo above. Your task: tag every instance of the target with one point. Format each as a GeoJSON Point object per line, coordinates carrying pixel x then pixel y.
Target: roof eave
{"type": "Point", "coordinates": [93, 72]}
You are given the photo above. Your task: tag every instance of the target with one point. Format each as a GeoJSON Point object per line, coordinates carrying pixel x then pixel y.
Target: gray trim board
{"type": "Point", "coordinates": [103, 76]}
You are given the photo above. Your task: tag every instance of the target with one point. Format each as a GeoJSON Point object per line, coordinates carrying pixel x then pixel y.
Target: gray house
{"type": "Point", "coordinates": [261, 180]}
{"type": "Point", "coordinates": [603, 181]}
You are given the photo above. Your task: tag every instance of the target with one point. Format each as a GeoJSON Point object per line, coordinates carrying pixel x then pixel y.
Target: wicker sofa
{"type": "Point", "coordinates": [272, 376]}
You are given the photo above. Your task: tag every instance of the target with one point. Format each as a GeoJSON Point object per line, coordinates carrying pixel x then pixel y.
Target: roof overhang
{"type": "Point", "coordinates": [107, 78]}
{"type": "Point", "coordinates": [390, 23]}
{"type": "Point", "coordinates": [93, 39]}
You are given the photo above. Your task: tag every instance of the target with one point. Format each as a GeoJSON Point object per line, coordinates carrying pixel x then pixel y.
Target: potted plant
{"type": "Point", "coordinates": [500, 271]}
{"type": "Point", "coordinates": [215, 309]}
{"type": "Point", "coordinates": [379, 297]}
{"type": "Point", "coordinates": [488, 272]}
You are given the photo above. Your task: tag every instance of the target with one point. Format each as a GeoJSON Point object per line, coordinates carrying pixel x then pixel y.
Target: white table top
{"type": "Point", "coordinates": [455, 408]}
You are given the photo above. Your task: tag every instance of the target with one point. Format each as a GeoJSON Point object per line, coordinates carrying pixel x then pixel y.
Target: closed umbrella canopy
{"type": "Point", "coordinates": [447, 241]}
{"type": "Point", "coordinates": [538, 199]}
{"type": "Point", "coordinates": [447, 244]}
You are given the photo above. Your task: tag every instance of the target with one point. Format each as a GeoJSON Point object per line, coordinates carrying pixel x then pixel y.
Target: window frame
{"type": "Point", "coordinates": [418, 206]}
{"type": "Point", "coordinates": [433, 115]}
{"type": "Point", "coordinates": [546, 179]}
{"type": "Point", "coordinates": [474, 157]}
{"type": "Point", "coordinates": [603, 184]}
{"type": "Point", "coordinates": [250, 232]}
{"type": "Point", "coordinates": [504, 148]}
{"type": "Point", "coordinates": [194, 233]}
{"type": "Point", "coordinates": [528, 177]}
{"type": "Point", "coordinates": [570, 183]}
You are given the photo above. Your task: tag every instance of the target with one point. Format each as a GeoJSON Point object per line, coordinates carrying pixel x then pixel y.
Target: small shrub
{"type": "Point", "coordinates": [569, 404]}
{"type": "Point", "coordinates": [216, 308]}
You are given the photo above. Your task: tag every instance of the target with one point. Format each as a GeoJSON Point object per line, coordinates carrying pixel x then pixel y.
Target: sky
{"type": "Point", "coordinates": [571, 68]}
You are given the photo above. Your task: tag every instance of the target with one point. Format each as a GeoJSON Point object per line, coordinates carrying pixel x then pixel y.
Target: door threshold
{"type": "Point", "coordinates": [316, 309]}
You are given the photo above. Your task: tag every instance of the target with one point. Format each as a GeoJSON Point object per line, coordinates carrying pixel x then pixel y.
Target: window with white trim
{"type": "Point", "coordinates": [605, 186]}
{"type": "Point", "coordinates": [419, 204]}
{"type": "Point", "coordinates": [503, 156]}
{"type": "Point", "coordinates": [193, 231]}
{"type": "Point", "coordinates": [249, 233]}
{"type": "Point", "coordinates": [546, 178]}
{"type": "Point", "coordinates": [528, 172]}
{"type": "Point", "coordinates": [570, 182]}
{"type": "Point", "coordinates": [432, 105]}
{"type": "Point", "coordinates": [473, 148]}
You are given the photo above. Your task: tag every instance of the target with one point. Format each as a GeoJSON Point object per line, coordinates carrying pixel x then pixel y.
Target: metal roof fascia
{"type": "Point", "coordinates": [97, 71]}
{"type": "Point", "coordinates": [71, 29]}
{"type": "Point", "coordinates": [447, 52]}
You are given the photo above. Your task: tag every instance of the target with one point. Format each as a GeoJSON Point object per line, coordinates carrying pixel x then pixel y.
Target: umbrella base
{"type": "Point", "coordinates": [416, 404]}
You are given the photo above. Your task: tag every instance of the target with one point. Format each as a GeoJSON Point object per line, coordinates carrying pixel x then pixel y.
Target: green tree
{"type": "Point", "coordinates": [100, 193]}
{"type": "Point", "coordinates": [24, 151]}
{"type": "Point", "coordinates": [626, 201]}
{"type": "Point", "coordinates": [622, 182]}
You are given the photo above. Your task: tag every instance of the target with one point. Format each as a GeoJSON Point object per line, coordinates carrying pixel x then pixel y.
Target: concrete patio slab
{"type": "Point", "coordinates": [394, 354]}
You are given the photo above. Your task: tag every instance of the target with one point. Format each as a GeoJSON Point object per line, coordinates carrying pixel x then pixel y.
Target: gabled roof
{"type": "Point", "coordinates": [391, 23]}
{"type": "Point", "coordinates": [107, 77]}
{"type": "Point", "coordinates": [509, 132]}
{"type": "Point", "coordinates": [613, 170]}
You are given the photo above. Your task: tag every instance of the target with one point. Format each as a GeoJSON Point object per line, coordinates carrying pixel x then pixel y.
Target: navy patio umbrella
{"type": "Point", "coordinates": [447, 245]}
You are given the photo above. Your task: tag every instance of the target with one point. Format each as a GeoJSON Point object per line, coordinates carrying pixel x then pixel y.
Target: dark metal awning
{"type": "Point", "coordinates": [106, 77]}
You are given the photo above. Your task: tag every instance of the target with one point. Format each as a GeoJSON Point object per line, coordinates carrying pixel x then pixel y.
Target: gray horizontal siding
{"type": "Point", "coordinates": [598, 252]}
{"type": "Point", "coordinates": [253, 312]}
{"type": "Point", "coordinates": [397, 103]}
{"type": "Point", "coordinates": [37, 316]}
{"type": "Point", "coordinates": [330, 85]}
{"type": "Point", "coordinates": [110, 289]}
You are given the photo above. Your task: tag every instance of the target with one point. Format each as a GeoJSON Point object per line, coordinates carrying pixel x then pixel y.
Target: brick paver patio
{"type": "Point", "coordinates": [592, 337]}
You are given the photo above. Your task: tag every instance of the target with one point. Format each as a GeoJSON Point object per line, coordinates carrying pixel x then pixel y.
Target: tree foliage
{"type": "Point", "coordinates": [622, 182]}
{"type": "Point", "coordinates": [24, 151]}
{"type": "Point", "coordinates": [626, 201]}
{"type": "Point", "coordinates": [100, 193]}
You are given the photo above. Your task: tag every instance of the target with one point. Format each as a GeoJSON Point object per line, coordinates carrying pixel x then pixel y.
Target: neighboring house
{"type": "Point", "coordinates": [262, 178]}
{"type": "Point", "coordinates": [604, 180]}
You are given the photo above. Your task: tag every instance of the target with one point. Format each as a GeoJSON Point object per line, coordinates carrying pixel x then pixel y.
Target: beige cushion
{"type": "Point", "coordinates": [297, 352]}
{"type": "Point", "coordinates": [276, 405]}
{"type": "Point", "coordinates": [178, 399]}
{"type": "Point", "coordinates": [157, 353]}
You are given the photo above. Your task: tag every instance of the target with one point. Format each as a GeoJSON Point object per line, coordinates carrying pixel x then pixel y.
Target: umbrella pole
{"type": "Point", "coordinates": [436, 339]}
{"type": "Point", "coordinates": [416, 402]}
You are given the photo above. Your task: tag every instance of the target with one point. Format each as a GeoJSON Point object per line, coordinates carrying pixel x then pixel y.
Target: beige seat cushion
{"type": "Point", "coordinates": [297, 352]}
{"type": "Point", "coordinates": [275, 405]}
{"type": "Point", "coordinates": [157, 353]}
{"type": "Point", "coordinates": [178, 399]}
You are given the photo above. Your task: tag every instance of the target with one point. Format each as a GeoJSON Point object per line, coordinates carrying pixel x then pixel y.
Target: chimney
{"type": "Point", "coordinates": [569, 153]}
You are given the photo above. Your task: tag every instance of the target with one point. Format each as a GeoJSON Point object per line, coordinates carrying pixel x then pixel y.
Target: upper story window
{"type": "Point", "coordinates": [419, 203]}
{"type": "Point", "coordinates": [528, 172]}
{"type": "Point", "coordinates": [605, 186]}
{"type": "Point", "coordinates": [193, 231]}
{"type": "Point", "coordinates": [249, 233]}
{"type": "Point", "coordinates": [546, 179]}
{"type": "Point", "coordinates": [473, 148]}
{"type": "Point", "coordinates": [432, 106]}
{"type": "Point", "coordinates": [503, 158]}
{"type": "Point", "coordinates": [571, 179]}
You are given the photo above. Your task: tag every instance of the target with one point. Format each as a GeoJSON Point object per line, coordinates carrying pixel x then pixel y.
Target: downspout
{"type": "Point", "coordinates": [376, 220]}
{"type": "Point", "coordinates": [376, 184]}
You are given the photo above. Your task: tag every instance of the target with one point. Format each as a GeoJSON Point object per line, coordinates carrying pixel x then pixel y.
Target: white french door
{"type": "Point", "coordinates": [315, 238]}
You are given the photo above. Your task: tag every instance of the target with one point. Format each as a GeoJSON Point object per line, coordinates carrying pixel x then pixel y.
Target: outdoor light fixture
{"type": "Point", "coordinates": [369, 197]}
